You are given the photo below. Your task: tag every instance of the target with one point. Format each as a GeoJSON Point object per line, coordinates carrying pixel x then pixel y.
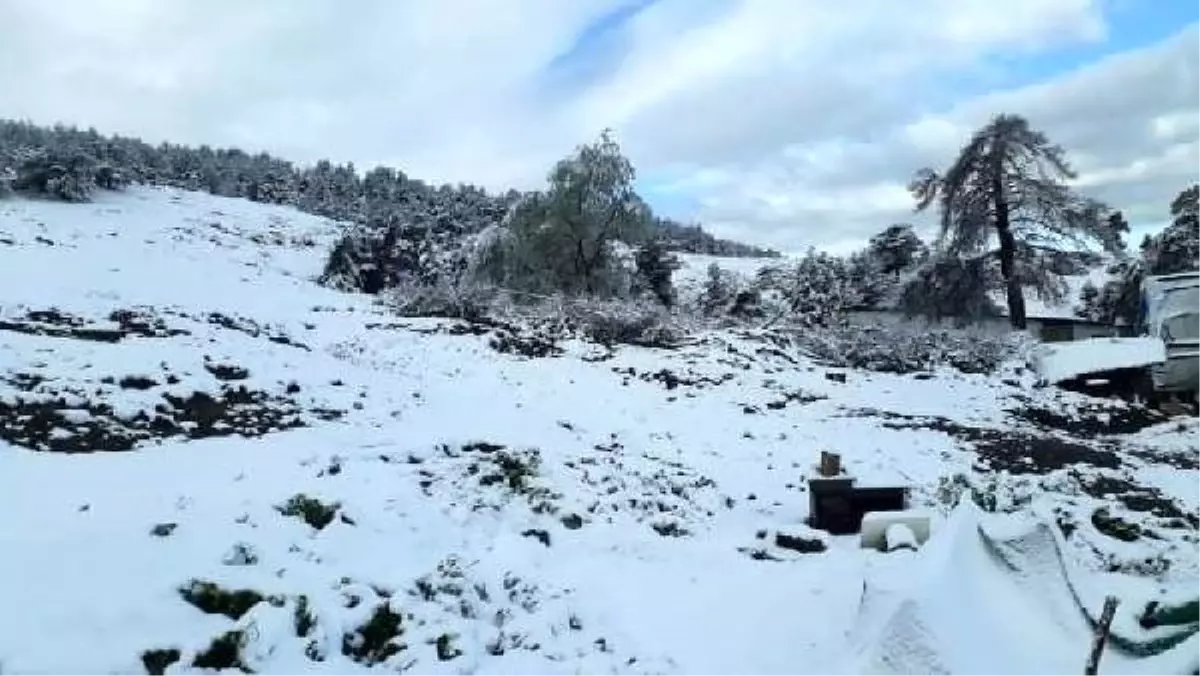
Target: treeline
{"type": "Point", "coordinates": [694, 239]}
{"type": "Point", "coordinates": [69, 164]}
{"type": "Point", "coordinates": [1175, 249]}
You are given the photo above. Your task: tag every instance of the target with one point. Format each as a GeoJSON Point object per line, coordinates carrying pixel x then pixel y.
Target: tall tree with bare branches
{"type": "Point", "coordinates": [1009, 182]}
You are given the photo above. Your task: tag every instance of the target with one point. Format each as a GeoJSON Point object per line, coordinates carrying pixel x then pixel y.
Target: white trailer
{"type": "Point", "coordinates": [1158, 364]}
{"type": "Point", "coordinates": [1170, 312]}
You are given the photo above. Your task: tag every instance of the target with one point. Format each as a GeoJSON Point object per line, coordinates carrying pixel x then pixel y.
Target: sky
{"type": "Point", "coordinates": [785, 123]}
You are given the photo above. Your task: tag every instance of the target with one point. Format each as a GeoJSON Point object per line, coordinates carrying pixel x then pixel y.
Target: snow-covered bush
{"type": "Point", "coordinates": [654, 267]}
{"type": "Point", "coordinates": [64, 175]}
{"type": "Point", "coordinates": [815, 291]}
{"type": "Point", "coordinates": [720, 288]}
{"type": "Point", "coordinates": [443, 298]}
{"type": "Point", "coordinates": [616, 322]}
{"type": "Point", "coordinates": [907, 349]}
{"type": "Point", "coordinates": [392, 250]}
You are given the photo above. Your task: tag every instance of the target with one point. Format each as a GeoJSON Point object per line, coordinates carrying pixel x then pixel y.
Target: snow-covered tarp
{"type": "Point", "coordinates": [993, 594]}
{"type": "Point", "coordinates": [1057, 362]}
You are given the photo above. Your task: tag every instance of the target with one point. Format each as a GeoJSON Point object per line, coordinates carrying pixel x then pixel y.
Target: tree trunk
{"type": "Point", "coordinates": [1008, 259]}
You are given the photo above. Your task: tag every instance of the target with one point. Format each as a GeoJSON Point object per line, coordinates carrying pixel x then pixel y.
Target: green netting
{"type": "Point", "coordinates": [1166, 625]}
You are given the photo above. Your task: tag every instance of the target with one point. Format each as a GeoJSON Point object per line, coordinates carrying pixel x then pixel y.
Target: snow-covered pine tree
{"type": "Point", "coordinates": [896, 249]}
{"type": "Point", "coordinates": [718, 292]}
{"type": "Point", "coordinates": [947, 286]}
{"type": "Point", "coordinates": [654, 268]}
{"type": "Point", "coordinates": [815, 291]}
{"type": "Point", "coordinates": [1177, 247]}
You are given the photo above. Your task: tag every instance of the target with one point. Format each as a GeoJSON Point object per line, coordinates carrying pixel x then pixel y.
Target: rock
{"type": "Point", "coordinates": [539, 534]}
{"type": "Point", "coordinates": [162, 530]}
{"type": "Point", "coordinates": [241, 554]}
{"type": "Point", "coordinates": [799, 544]}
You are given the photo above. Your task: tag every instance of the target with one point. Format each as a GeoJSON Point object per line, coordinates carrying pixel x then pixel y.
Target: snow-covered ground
{"type": "Point", "coordinates": [298, 481]}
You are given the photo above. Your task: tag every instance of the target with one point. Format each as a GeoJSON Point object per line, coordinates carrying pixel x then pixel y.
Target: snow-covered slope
{"type": "Point", "coordinates": [689, 279]}
{"type": "Point", "coordinates": [389, 493]}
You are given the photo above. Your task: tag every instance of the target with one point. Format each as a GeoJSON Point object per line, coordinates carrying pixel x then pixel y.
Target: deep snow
{"type": "Point", "coordinates": [592, 512]}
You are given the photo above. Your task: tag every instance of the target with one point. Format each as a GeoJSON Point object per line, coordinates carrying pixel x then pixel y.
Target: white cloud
{"type": "Point", "coordinates": [789, 122]}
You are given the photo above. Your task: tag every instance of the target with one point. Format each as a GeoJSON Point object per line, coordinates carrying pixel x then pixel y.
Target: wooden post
{"type": "Point", "coordinates": [831, 464]}
{"type": "Point", "coordinates": [1101, 635]}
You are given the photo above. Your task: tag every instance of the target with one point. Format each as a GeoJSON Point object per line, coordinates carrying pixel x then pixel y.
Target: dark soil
{"type": "Point", "coordinates": [1016, 452]}
{"type": "Point", "coordinates": [1135, 498]}
{"type": "Point", "coordinates": [227, 371]}
{"type": "Point", "coordinates": [532, 346]}
{"type": "Point", "coordinates": [253, 329]}
{"type": "Point", "coordinates": [43, 424]}
{"type": "Point", "coordinates": [1093, 420]}
{"type": "Point", "coordinates": [57, 324]}
{"type": "Point", "coordinates": [1115, 526]}
{"type": "Point", "coordinates": [671, 380]}
{"type": "Point", "coordinates": [799, 544]}
{"type": "Point", "coordinates": [538, 534]}
{"type": "Point", "coordinates": [137, 383]}
{"type": "Point", "coordinates": [797, 397]}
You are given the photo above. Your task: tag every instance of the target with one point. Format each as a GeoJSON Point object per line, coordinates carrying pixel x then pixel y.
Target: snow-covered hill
{"type": "Point", "coordinates": [208, 461]}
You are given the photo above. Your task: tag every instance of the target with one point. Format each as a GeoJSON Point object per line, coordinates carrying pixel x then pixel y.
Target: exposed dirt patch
{"type": "Point", "coordinates": [1137, 498]}
{"type": "Point", "coordinates": [534, 346]}
{"type": "Point", "coordinates": [1014, 451]}
{"type": "Point", "coordinates": [1184, 459]}
{"type": "Point", "coordinates": [253, 329]}
{"type": "Point", "coordinates": [799, 544]}
{"type": "Point", "coordinates": [1019, 453]}
{"type": "Point", "coordinates": [1115, 526]}
{"type": "Point", "coordinates": [227, 371]}
{"type": "Point", "coordinates": [795, 397]}
{"type": "Point", "coordinates": [69, 420]}
{"type": "Point", "coordinates": [122, 324]}
{"type": "Point", "coordinates": [1092, 420]}
{"type": "Point", "coordinates": [137, 383]}
{"type": "Point", "coordinates": [671, 380]}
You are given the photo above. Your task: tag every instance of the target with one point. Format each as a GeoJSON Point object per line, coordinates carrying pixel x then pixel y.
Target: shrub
{"type": "Point", "coordinates": [616, 322]}
{"type": "Point", "coordinates": [68, 176]}
{"type": "Point", "coordinates": [444, 298]}
{"type": "Point", "coordinates": [815, 291]}
{"type": "Point", "coordinates": [907, 349]}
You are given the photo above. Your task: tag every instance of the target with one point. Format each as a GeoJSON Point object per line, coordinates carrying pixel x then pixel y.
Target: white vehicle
{"type": "Point", "coordinates": [1158, 365]}
{"type": "Point", "coordinates": [1170, 311]}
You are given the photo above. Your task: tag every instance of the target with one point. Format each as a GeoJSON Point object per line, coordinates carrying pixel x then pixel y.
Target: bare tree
{"type": "Point", "coordinates": [1009, 181]}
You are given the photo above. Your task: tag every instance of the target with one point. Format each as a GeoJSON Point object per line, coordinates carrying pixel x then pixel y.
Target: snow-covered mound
{"type": "Point", "coordinates": [294, 480]}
